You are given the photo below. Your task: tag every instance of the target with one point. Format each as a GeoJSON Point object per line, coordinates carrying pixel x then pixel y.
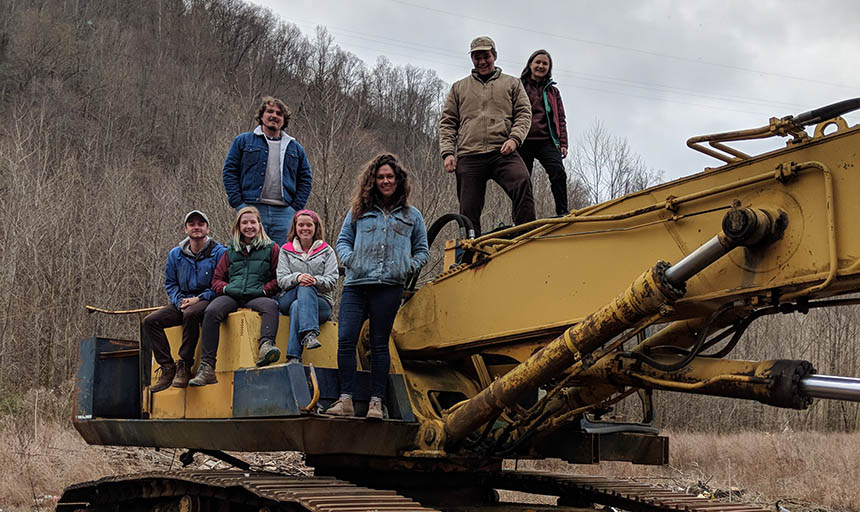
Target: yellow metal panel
{"type": "Point", "coordinates": [237, 348]}
{"type": "Point", "coordinates": [168, 404]}
{"type": "Point", "coordinates": [212, 401]}
{"type": "Point", "coordinates": [323, 357]}
{"type": "Point", "coordinates": [238, 344]}
{"type": "Point", "coordinates": [562, 273]}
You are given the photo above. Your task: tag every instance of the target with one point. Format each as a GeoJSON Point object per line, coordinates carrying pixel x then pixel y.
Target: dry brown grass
{"type": "Point", "coordinates": [803, 471]}
{"type": "Point", "coordinates": [39, 459]}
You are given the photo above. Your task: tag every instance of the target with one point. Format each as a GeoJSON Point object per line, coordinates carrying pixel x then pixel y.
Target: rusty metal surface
{"type": "Point", "coordinates": [624, 494]}
{"type": "Point", "coordinates": [316, 494]}
{"type": "Point", "coordinates": [310, 434]}
{"type": "Point", "coordinates": [644, 297]}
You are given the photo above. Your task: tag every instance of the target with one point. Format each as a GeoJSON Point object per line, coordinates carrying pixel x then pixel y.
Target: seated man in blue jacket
{"type": "Point", "coordinates": [268, 169]}
{"type": "Point", "coordinates": [188, 281]}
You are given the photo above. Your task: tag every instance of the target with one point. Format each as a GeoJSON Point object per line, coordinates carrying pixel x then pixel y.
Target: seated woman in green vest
{"type": "Point", "coordinates": [244, 277]}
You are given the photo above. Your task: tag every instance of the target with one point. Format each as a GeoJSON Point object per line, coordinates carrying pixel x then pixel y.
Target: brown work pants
{"type": "Point", "coordinates": [171, 316]}
{"type": "Point", "coordinates": [509, 171]}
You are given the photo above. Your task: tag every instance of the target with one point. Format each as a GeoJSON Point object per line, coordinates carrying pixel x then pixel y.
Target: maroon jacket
{"type": "Point", "coordinates": [538, 93]}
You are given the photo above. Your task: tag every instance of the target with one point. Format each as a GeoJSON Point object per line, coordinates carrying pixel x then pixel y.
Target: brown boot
{"type": "Point", "coordinates": [268, 353]}
{"type": "Point", "coordinates": [205, 375]}
{"type": "Point", "coordinates": [183, 374]}
{"type": "Point", "coordinates": [342, 407]}
{"type": "Point", "coordinates": [167, 373]}
{"type": "Point", "coordinates": [374, 409]}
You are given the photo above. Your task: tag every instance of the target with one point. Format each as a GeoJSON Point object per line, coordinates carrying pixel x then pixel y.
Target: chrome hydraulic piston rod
{"type": "Point", "coordinates": [649, 292]}
{"type": "Point", "coordinates": [830, 387]}
{"type": "Point", "coordinates": [741, 226]}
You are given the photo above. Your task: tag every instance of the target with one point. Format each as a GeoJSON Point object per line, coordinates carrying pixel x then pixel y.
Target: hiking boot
{"type": "Point", "coordinates": [269, 353]}
{"type": "Point", "coordinates": [310, 340]}
{"type": "Point", "coordinates": [374, 409]}
{"type": "Point", "coordinates": [205, 375]}
{"type": "Point", "coordinates": [183, 374]}
{"type": "Point", "coordinates": [164, 379]}
{"type": "Point", "coordinates": [342, 407]}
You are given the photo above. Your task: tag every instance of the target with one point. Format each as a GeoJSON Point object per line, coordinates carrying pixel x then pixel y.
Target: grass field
{"type": "Point", "coordinates": [800, 471]}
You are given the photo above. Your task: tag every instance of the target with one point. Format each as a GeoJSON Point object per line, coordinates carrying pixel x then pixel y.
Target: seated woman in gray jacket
{"type": "Point", "coordinates": [307, 270]}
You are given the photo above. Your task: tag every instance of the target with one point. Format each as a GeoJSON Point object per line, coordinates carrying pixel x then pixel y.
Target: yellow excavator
{"type": "Point", "coordinates": [518, 349]}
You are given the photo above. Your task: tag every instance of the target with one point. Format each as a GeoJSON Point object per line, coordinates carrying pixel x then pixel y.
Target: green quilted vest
{"type": "Point", "coordinates": [249, 273]}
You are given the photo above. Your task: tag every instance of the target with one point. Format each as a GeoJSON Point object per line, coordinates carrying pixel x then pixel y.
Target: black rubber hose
{"type": "Point", "coordinates": [694, 351]}
{"type": "Point", "coordinates": [827, 112]}
{"type": "Point", "coordinates": [467, 230]}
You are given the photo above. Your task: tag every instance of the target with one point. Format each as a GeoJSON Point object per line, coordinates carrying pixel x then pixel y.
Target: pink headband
{"type": "Point", "coordinates": [309, 213]}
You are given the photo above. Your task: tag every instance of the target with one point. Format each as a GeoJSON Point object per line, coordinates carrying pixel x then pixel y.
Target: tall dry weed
{"type": "Point", "coordinates": [800, 471]}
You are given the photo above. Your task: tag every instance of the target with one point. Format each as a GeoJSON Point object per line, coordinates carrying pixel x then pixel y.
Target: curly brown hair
{"type": "Point", "coordinates": [367, 196]}
{"type": "Point", "coordinates": [285, 110]}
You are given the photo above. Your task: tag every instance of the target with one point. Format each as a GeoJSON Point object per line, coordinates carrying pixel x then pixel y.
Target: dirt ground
{"type": "Point", "coordinates": [799, 472]}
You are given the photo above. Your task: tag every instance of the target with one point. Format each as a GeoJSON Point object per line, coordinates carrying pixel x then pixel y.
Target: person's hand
{"type": "Point", "coordinates": [563, 152]}
{"type": "Point", "coordinates": [306, 280]}
{"type": "Point", "coordinates": [450, 163]}
{"type": "Point", "coordinates": [509, 147]}
{"type": "Point", "coordinates": [188, 301]}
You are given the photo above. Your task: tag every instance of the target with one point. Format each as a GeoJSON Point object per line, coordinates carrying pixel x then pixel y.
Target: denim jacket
{"type": "Point", "coordinates": [382, 248]}
{"type": "Point", "coordinates": [245, 170]}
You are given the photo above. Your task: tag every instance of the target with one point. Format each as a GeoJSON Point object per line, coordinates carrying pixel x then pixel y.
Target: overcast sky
{"type": "Point", "coordinates": [655, 72]}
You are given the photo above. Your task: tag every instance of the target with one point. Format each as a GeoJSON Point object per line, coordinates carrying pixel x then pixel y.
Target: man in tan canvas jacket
{"type": "Point", "coordinates": [485, 119]}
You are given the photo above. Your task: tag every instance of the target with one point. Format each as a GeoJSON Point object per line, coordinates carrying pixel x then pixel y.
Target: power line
{"type": "Point", "coordinates": [582, 76]}
{"type": "Point", "coordinates": [625, 48]}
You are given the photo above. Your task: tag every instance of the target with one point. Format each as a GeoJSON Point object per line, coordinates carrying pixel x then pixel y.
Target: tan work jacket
{"type": "Point", "coordinates": [479, 117]}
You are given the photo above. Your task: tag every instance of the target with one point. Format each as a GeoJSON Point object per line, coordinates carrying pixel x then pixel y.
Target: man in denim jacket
{"type": "Point", "coordinates": [268, 169]}
{"type": "Point", "coordinates": [188, 282]}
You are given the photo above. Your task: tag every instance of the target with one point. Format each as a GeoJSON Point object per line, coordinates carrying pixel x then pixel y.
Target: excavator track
{"type": "Point", "coordinates": [580, 490]}
{"type": "Point", "coordinates": [193, 491]}
{"type": "Point", "coordinates": [203, 491]}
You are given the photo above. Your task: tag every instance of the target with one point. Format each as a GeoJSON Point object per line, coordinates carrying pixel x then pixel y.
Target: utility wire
{"type": "Point", "coordinates": [625, 48]}
{"type": "Point", "coordinates": [596, 79]}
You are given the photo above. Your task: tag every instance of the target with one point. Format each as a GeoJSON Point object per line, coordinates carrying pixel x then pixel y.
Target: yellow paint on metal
{"type": "Point", "coordinates": [450, 256]}
{"type": "Point", "coordinates": [552, 277]}
{"type": "Point", "coordinates": [168, 404]}
{"type": "Point", "coordinates": [237, 348]}
{"type": "Point", "coordinates": [213, 400]}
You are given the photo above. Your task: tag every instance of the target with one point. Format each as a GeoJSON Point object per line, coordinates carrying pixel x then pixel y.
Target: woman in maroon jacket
{"type": "Point", "coordinates": [547, 138]}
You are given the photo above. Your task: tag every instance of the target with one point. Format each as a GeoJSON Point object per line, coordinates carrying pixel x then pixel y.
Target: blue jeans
{"type": "Point", "coordinates": [276, 220]}
{"type": "Point", "coordinates": [307, 311]}
{"type": "Point", "coordinates": [379, 303]}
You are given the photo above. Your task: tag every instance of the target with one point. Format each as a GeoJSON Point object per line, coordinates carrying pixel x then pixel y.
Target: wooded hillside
{"type": "Point", "coordinates": [115, 118]}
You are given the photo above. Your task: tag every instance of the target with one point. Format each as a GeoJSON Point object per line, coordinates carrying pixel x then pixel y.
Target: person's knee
{"type": "Point", "coordinates": [285, 306]}
{"type": "Point", "coordinates": [150, 321]}
{"type": "Point", "coordinates": [269, 307]}
{"type": "Point", "coordinates": [192, 317]}
{"type": "Point", "coordinates": [216, 315]}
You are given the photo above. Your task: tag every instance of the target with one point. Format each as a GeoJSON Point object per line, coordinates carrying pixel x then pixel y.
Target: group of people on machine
{"type": "Point", "coordinates": [276, 261]}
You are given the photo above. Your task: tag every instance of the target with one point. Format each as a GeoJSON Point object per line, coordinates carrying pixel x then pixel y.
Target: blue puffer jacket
{"type": "Point", "coordinates": [245, 170]}
{"type": "Point", "coordinates": [188, 275]}
{"type": "Point", "coordinates": [382, 248]}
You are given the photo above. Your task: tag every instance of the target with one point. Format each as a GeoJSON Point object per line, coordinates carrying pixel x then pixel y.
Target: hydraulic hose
{"type": "Point", "coordinates": [467, 230]}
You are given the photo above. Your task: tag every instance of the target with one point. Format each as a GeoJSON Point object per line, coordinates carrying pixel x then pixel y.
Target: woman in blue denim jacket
{"type": "Point", "coordinates": [383, 240]}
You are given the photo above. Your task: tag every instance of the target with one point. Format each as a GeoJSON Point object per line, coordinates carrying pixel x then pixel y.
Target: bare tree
{"type": "Point", "coordinates": [605, 166]}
